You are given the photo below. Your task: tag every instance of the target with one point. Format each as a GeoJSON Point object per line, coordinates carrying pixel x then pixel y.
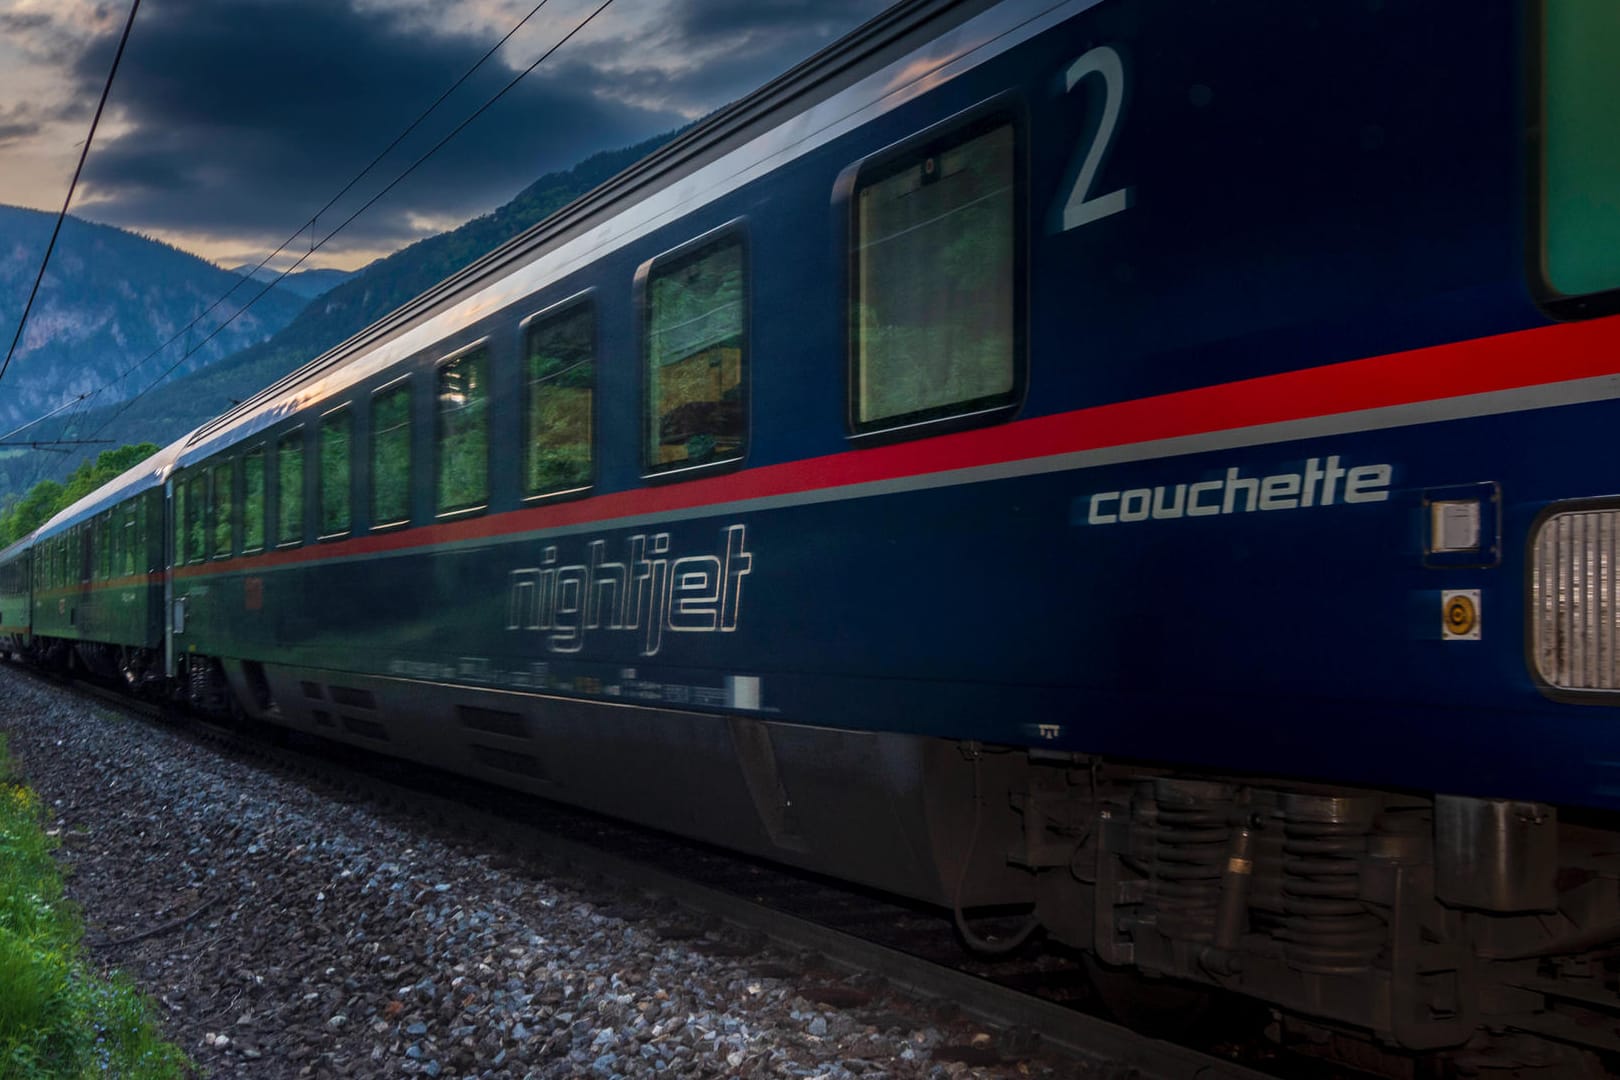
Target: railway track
{"type": "Point", "coordinates": [848, 939]}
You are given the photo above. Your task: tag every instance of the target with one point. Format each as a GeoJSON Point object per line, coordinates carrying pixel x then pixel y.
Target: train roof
{"type": "Point", "coordinates": [148, 474]}
{"type": "Point", "coordinates": [823, 96]}
{"type": "Point", "coordinates": [17, 547]}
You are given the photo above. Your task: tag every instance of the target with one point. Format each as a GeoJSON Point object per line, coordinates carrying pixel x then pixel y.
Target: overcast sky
{"type": "Point", "coordinates": [232, 121]}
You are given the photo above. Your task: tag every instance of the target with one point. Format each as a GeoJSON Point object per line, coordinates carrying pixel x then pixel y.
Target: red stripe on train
{"type": "Point", "coordinates": [1542, 356]}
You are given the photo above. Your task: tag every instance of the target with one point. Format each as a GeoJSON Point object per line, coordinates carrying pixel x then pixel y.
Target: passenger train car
{"type": "Point", "coordinates": [1148, 463]}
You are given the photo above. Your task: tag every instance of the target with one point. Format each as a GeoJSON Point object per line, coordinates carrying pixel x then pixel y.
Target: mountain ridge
{"type": "Point", "coordinates": [333, 316]}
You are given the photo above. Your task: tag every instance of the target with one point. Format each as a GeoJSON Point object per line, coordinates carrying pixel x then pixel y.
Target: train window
{"type": "Point", "coordinates": [290, 488]}
{"type": "Point", "coordinates": [221, 479]}
{"type": "Point", "coordinates": [463, 432]}
{"type": "Point", "coordinates": [179, 522]}
{"type": "Point", "coordinates": [253, 500]}
{"type": "Point", "coordinates": [391, 456]}
{"type": "Point", "coordinates": [696, 305]}
{"type": "Point", "coordinates": [935, 282]}
{"type": "Point", "coordinates": [559, 354]}
{"type": "Point", "coordinates": [196, 510]}
{"type": "Point", "coordinates": [131, 534]}
{"type": "Point", "coordinates": [1580, 203]}
{"type": "Point", "coordinates": [112, 539]}
{"type": "Point", "coordinates": [335, 473]}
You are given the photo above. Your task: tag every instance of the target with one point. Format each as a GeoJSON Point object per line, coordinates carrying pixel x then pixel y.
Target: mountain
{"type": "Point", "coordinates": [181, 404]}
{"type": "Point", "coordinates": [305, 283]}
{"type": "Point", "coordinates": [109, 299]}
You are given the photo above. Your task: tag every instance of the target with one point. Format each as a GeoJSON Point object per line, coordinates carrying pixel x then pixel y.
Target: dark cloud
{"type": "Point", "coordinates": [18, 123]}
{"type": "Point", "coordinates": [23, 22]}
{"type": "Point", "coordinates": [720, 19]}
{"type": "Point", "coordinates": [241, 119]}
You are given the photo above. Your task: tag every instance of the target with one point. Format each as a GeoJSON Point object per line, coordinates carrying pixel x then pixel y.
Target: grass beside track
{"type": "Point", "coordinates": [58, 1018]}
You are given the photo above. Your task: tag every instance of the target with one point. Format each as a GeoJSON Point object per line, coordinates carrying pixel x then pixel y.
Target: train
{"type": "Point", "coordinates": [1146, 467]}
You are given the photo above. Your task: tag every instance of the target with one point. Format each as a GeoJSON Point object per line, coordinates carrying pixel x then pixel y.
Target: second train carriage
{"type": "Point", "coordinates": [98, 577]}
{"type": "Point", "coordinates": [16, 598]}
{"type": "Point", "coordinates": [1117, 457]}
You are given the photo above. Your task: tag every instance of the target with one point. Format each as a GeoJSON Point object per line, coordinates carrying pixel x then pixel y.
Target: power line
{"type": "Point", "coordinates": [375, 161]}
{"type": "Point", "coordinates": [350, 219]}
{"type": "Point", "coordinates": [310, 224]}
{"type": "Point", "coordinates": [106, 91]}
{"type": "Point", "coordinates": [57, 444]}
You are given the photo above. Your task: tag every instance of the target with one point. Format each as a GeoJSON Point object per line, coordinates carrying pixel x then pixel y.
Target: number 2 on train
{"type": "Point", "coordinates": [1078, 208]}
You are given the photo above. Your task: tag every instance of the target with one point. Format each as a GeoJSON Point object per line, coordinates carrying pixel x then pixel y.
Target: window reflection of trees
{"type": "Point", "coordinates": [463, 434]}
{"type": "Point", "coordinates": [560, 368]}
{"type": "Point", "coordinates": [695, 358]}
{"type": "Point", "coordinates": [934, 306]}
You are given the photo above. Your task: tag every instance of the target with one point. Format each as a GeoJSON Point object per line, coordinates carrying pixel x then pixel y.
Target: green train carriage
{"type": "Point", "coordinates": [99, 581]}
{"type": "Point", "coordinates": [16, 598]}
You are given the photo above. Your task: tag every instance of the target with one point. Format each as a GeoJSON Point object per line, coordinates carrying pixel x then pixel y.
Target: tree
{"type": "Point", "coordinates": [48, 497]}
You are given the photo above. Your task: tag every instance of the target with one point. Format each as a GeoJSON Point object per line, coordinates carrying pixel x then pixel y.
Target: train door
{"type": "Point", "coordinates": [174, 619]}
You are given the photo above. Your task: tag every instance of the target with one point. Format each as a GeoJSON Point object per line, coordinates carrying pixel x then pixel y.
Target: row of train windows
{"type": "Point", "coordinates": [935, 291]}
{"type": "Point", "coordinates": [112, 545]}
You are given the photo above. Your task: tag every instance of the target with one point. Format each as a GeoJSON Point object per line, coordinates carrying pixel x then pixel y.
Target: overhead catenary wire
{"type": "Point", "coordinates": [50, 246]}
{"type": "Point", "coordinates": [412, 167]}
{"type": "Point", "coordinates": [309, 226]}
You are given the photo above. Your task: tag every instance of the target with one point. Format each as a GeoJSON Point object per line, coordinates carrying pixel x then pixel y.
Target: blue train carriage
{"type": "Point", "coordinates": [16, 599]}
{"type": "Point", "coordinates": [99, 579]}
{"type": "Point", "coordinates": [1145, 461]}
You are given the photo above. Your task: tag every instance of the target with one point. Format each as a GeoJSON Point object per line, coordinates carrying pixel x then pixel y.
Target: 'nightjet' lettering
{"type": "Point", "coordinates": [1318, 484]}
{"type": "Point", "coordinates": [652, 591]}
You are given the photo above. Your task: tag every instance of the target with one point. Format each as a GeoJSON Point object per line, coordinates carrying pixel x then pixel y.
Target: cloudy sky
{"type": "Point", "coordinates": [232, 121]}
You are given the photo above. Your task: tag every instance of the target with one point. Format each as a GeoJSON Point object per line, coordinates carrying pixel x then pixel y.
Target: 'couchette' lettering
{"type": "Point", "coordinates": [1318, 484]}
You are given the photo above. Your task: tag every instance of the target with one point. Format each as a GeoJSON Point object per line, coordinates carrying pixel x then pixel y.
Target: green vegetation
{"type": "Point", "coordinates": [560, 363]}
{"type": "Point", "coordinates": [391, 456]}
{"type": "Point", "coordinates": [182, 403]}
{"type": "Point", "coordinates": [336, 470]}
{"type": "Point", "coordinates": [47, 497]}
{"type": "Point", "coordinates": [463, 436]}
{"type": "Point", "coordinates": [290, 477]}
{"type": "Point", "coordinates": [935, 303]}
{"type": "Point", "coordinates": [695, 358]}
{"type": "Point", "coordinates": [57, 1019]}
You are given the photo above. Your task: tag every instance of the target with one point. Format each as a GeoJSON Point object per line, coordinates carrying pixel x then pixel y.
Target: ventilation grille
{"type": "Point", "coordinates": [495, 723]}
{"type": "Point", "coordinates": [1574, 616]}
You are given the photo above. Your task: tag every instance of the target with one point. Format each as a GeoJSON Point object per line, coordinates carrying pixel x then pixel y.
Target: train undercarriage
{"type": "Point", "coordinates": [1404, 934]}
{"type": "Point", "coordinates": [1407, 935]}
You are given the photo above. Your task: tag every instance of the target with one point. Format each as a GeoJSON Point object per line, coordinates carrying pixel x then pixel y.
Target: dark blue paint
{"type": "Point", "coordinates": [1312, 184]}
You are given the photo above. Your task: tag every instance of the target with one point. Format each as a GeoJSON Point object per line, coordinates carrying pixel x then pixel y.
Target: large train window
{"type": "Point", "coordinates": [559, 352]}
{"type": "Point", "coordinates": [253, 500]}
{"type": "Point", "coordinates": [936, 274]}
{"type": "Point", "coordinates": [391, 456]}
{"type": "Point", "coordinates": [334, 476]}
{"type": "Point", "coordinates": [695, 306]}
{"type": "Point", "coordinates": [462, 436]}
{"type": "Point", "coordinates": [290, 489]}
{"type": "Point", "coordinates": [221, 480]}
{"type": "Point", "coordinates": [1579, 175]}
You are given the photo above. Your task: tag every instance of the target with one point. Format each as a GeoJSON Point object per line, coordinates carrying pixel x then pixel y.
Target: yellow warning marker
{"type": "Point", "coordinates": [1459, 614]}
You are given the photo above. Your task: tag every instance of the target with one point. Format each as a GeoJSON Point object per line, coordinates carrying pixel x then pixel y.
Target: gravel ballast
{"type": "Point", "coordinates": [287, 932]}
